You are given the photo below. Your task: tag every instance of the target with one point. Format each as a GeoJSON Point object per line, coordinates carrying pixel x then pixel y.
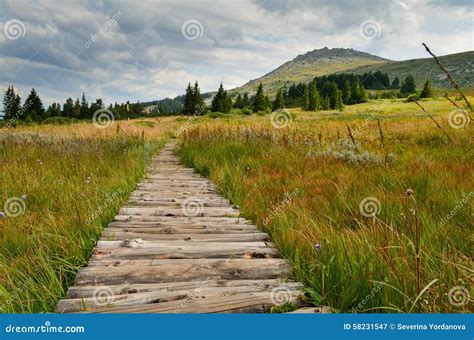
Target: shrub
{"type": "Point", "coordinates": [412, 98]}
{"type": "Point", "coordinates": [217, 114]}
{"type": "Point", "coordinates": [246, 111]}
{"type": "Point", "coordinates": [60, 120]}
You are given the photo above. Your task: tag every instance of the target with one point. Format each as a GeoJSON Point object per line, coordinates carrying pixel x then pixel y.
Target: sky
{"type": "Point", "coordinates": [147, 50]}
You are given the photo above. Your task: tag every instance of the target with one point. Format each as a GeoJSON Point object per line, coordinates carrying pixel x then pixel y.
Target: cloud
{"type": "Point", "coordinates": [129, 50]}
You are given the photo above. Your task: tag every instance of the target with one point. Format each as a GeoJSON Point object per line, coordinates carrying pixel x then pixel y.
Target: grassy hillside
{"type": "Point", "coordinates": [461, 65]}
{"type": "Point", "coordinates": [315, 63]}
{"type": "Point", "coordinates": [339, 60]}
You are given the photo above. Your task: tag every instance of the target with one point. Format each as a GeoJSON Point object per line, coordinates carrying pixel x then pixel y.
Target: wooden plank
{"type": "Point", "coordinates": [162, 296]}
{"type": "Point", "coordinates": [182, 219]}
{"type": "Point", "coordinates": [140, 243]}
{"type": "Point", "coordinates": [192, 251]}
{"type": "Point", "coordinates": [191, 237]}
{"type": "Point", "coordinates": [260, 302]}
{"type": "Point", "coordinates": [163, 271]}
{"type": "Point", "coordinates": [85, 291]}
{"type": "Point", "coordinates": [137, 229]}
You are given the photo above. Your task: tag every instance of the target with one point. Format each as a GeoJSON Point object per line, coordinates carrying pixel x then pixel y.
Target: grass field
{"type": "Point", "coordinates": [383, 225]}
{"type": "Point", "coordinates": [370, 224]}
{"type": "Point", "coordinates": [60, 185]}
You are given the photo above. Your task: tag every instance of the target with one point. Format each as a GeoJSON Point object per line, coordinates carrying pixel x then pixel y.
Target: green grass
{"type": "Point", "coordinates": [73, 186]}
{"type": "Point", "coordinates": [304, 185]}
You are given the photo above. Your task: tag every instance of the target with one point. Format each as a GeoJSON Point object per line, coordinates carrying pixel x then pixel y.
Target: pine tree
{"type": "Point", "coordinates": [97, 105]}
{"type": "Point", "coordinates": [238, 102]}
{"type": "Point", "coordinates": [245, 100]}
{"type": "Point", "coordinates": [305, 104]}
{"type": "Point", "coordinates": [339, 105]}
{"type": "Point", "coordinates": [54, 110]}
{"type": "Point", "coordinates": [77, 109]}
{"type": "Point", "coordinates": [84, 111]}
{"type": "Point", "coordinates": [313, 98]}
{"type": "Point", "coordinates": [396, 83]}
{"type": "Point", "coordinates": [33, 107]}
{"type": "Point", "coordinates": [188, 106]}
{"type": "Point", "coordinates": [325, 103]}
{"type": "Point", "coordinates": [11, 104]}
{"type": "Point", "coordinates": [279, 102]}
{"type": "Point", "coordinates": [408, 86]}
{"type": "Point", "coordinates": [68, 108]}
{"type": "Point", "coordinates": [199, 107]}
{"type": "Point", "coordinates": [259, 101]}
{"type": "Point", "coordinates": [346, 92]}
{"type": "Point", "coordinates": [358, 95]}
{"type": "Point", "coordinates": [221, 101]}
{"type": "Point", "coordinates": [427, 91]}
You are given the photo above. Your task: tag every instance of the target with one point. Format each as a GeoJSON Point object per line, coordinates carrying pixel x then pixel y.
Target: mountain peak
{"type": "Point", "coordinates": [317, 62]}
{"type": "Point", "coordinates": [337, 52]}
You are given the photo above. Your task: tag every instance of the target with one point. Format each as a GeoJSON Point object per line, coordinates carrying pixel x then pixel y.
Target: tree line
{"type": "Point", "coordinates": [32, 110]}
{"type": "Point", "coordinates": [322, 93]}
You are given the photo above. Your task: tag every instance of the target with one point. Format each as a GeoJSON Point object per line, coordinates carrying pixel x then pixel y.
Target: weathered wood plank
{"type": "Point", "coordinates": [260, 302]}
{"type": "Point", "coordinates": [192, 251]}
{"type": "Point", "coordinates": [163, 271]}
{"type": "Point", "coordinates": [140, 243]}
{"type": "Point", "coordinates": [161, 296]}
{"type": "Point", "coordinates": [191, 237]}
{"type": "Point", "coordinates": [85, 291]}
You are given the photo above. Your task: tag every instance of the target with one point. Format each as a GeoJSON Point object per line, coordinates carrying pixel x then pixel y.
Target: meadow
{"type": "Point", "coordinates": [373, 205]}
{"type": "Point", "coordinates": [60, 186]}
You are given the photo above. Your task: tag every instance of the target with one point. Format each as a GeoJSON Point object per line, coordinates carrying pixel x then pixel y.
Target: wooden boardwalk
{"type": "Point", "coordinates": [180, 247]}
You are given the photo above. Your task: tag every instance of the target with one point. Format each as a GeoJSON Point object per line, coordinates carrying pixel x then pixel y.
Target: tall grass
{"type": "Point", "coordinates": [73, 186]}
{"type": "Point", "coordinates": [404, 258]}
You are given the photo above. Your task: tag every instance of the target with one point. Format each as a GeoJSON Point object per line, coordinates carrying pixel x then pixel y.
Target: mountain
{"type": "Point", "coordinates": [306, 66]}
{"type": "Point", "coordinates": [326, 61]}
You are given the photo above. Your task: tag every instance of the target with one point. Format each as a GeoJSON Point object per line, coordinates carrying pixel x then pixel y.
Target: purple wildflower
{"type": "Point", "coordinates": [317, 247]}
{"type": "Point", "coordinates": [2, 214]}
{"type": "Point", "coordinates": [23, 197]}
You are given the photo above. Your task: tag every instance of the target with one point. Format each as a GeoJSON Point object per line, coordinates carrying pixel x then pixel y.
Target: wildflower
{"type": "Point", "coordinates": [23, 197]}
{"type": "Point", "coordinates": [2, 214]}
{"type": "Point", "coordinates": [409, 192]}
{"type": "Point", "coordinates": [317, 247]}
{"type": "Point", "coordinates": [88, 179]}
{"type": "Point", "coordinates": [39, 161]}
